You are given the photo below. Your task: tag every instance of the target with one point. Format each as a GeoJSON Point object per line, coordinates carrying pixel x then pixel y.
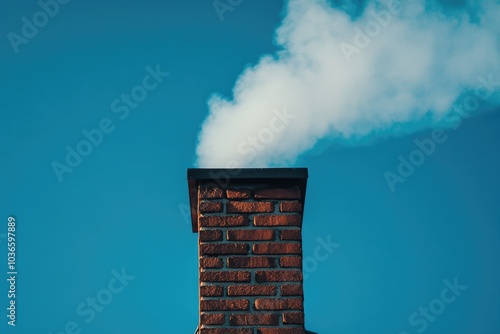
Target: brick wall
{"type": "Point", "coordinates": [250, 258]}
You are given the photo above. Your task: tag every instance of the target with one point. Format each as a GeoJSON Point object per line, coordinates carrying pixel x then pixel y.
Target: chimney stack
{"type": "Point", "coordinates": [249, 225]}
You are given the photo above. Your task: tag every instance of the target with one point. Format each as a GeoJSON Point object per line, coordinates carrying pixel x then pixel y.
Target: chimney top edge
{"type": "Point", "coordinates": [247, 173]}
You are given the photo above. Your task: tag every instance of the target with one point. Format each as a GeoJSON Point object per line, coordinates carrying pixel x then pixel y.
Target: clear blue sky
{"type": "Point", "coordinates": [122, 205]}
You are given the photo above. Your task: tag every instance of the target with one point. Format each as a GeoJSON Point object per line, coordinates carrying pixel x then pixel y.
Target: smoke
{"type": "Point", "coordinates": [393, 68]}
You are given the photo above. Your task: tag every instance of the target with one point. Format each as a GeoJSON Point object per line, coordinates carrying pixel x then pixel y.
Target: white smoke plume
{"type": "Point", "coordinates": [394, 68]}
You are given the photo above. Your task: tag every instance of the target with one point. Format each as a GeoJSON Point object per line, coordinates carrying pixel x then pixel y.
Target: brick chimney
{"type": "Point", "coordinates": [249, 225]}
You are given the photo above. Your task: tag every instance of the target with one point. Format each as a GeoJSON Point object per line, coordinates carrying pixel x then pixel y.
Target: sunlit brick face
{"type": "Point", "coordinates": [250, 257]}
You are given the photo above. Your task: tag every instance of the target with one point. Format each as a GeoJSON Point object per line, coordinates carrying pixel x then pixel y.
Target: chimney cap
{"type": "Point", "coordinates": [196, 176]}
{"type": "Point", "coordinates": [247, 173]}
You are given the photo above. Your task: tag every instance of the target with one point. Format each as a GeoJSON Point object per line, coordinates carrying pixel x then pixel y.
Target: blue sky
{"type": "Point", "coordinates": [120, 212]}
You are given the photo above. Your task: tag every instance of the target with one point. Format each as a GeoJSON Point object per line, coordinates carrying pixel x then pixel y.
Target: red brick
{"type": "Point", "coordinates": [210, 262]}
{"type": "Point", "coordinates": [223, 221]}
{"type": "Point", "coordinates": [291, 262]}
{"type": "Point", "coordinates": [225, 276]}
{"type": "Point", "coordinates": [226, 331]}
{"type": "Point", "coordinates": [292, 290]}
{"type": "Point", "coordinates": [279, 331]}
{"type": "Point", "coordinates": [294, 234]}
{"type": "Point", "coordinates": [213, 319]}
{"type": "Point", "coordinates": [278, 276]}
{"type": "Point", "coordinates": [251, 262]}
{"type": "Point", "coordinates": [210, 235]}
{"type": "Point", "coordinates": [234, 206]}
{"type": "Point", "coordinates": [291, 206]}
{"type": "Point", "coordinates": [277, 248]}
{"type": "Point", "coordinates": [293, 193]}
{"type": "Point", "coordinates": [278, 304]}
{"type": "Point", "coordinates": [210, 192]}
{"type": "Point", "coordinates": [223, 249]}
{"type": "Point", "coordinates": [278, 220]}
{"type": "Point", "coordinates": [293, 318]}
{"type": "Point", "coordinates": [211, 291]}
{"type": "Point", "coordinates": [206, 206]}
{"type": "Point", "coordinates": [254, 319]}
{"type": "Point", "coordinates": [251, 290]}
{"type": "Point", "coordinates": [250, 235]}
{"type": "Point", "coordinates": [238, 193]}
{"type": "Point", "coordinates": [224, 305]}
